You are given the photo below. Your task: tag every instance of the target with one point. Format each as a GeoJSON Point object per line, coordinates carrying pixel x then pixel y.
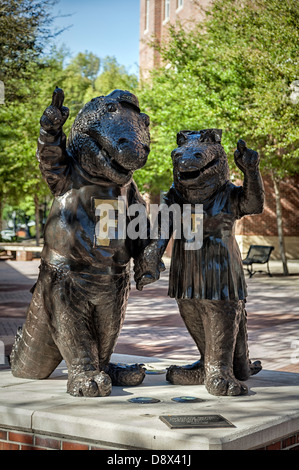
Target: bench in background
{"type": "Point", "coordinates": [23, 252]}
{"type": "Point", "coordinates": [258, 254]}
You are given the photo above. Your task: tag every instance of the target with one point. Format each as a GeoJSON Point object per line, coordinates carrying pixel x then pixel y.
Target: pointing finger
{"type": "Point", "coordinates": [58, 98]}
{"type": "Point", "coordinates": [241, 146]}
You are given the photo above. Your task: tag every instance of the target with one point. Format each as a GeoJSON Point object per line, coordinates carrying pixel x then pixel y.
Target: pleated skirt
{"type": "Point", "coordinates": [213, 272]}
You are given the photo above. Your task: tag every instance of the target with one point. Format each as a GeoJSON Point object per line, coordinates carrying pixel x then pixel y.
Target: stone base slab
{"type": "Point", "coordinates": [268, 415]}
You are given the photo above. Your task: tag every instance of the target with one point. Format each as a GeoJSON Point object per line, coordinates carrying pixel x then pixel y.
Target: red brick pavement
{"type": "Point", "coordinates": [153, 326]}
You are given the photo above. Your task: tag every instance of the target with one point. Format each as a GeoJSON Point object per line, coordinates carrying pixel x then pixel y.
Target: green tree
{"type": "Point", "coordinates": [86, 64]}
{"type": "Point", "coordinates": [25, 29]}
{"type": "Point", "coordinates": [112, 76]}
{"type": "Point", "coordinates": [76, 79]}
{"type": "Point", "coordinates": [234, 72]}
{"type": "Point", "coordinates": [19, 171]}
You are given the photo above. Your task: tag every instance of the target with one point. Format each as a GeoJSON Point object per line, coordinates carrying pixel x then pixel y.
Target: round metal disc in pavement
{"type": "Point", "coordinates": [187, 399]}
{"type": "Point", "coordinates": [144, 400]}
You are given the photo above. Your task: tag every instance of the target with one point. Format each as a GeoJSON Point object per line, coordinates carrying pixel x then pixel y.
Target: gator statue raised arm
{"type": "Point", "coordinates": [208, 283]}
{"type": "Point", "coordinates": [79, 300]}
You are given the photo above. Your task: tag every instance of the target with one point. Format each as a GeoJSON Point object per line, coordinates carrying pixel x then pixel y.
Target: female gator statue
{"type": "Point", "coordinates": [208, 283]}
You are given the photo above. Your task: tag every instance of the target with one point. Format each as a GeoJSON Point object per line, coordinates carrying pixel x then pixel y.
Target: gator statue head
{"type": "Point", "coordinates": [200, 166]}
{"type": "Point", "coordinates": [110, 137]}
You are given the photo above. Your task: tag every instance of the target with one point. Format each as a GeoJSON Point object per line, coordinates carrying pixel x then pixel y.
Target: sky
{"type": "Point", "coordinates": [103, 27]}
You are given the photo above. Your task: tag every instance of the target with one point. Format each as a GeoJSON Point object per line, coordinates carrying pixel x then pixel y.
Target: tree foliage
{"type": "Point", "coordinates": [234, 72]}
{"type": "Point", "coordinates": [112, 76]}
{"type": "Point", "coordinates": [25, 29]}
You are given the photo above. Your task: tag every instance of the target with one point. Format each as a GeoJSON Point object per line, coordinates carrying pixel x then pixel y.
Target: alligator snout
{"type": "Point", "coordinates": [194, 162]}
{"type": "Point", "coordinates": [131, 155]}
{"type": "Point", "coordinates": [189, 163]}
{"type": "Point", "coordinates": [188, 155]}
{"type": "Point", "coordinates": [125, 144]}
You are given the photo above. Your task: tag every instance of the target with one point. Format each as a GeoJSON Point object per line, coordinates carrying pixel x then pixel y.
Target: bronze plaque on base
{"type": "Point", "coordinates": [196, 421]}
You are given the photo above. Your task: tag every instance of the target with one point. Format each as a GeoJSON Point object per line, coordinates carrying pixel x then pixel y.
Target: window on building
{"type": "Point", "coordinates": [166, 9]}
{"type": "Point", "coordinates": [179, 4]}
{"type": "Point", "coordinates": [147, 6]}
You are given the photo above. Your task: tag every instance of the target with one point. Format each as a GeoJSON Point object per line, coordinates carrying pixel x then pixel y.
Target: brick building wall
{"type": "Point", "coordinates": [262, 229]}
{"type": "Point", "coordinates": [155, 18]}
{"type": "Point", "coordinates": [15, 439]}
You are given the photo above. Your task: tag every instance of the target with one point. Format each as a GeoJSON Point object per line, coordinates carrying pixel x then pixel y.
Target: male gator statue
{"type": "Point", "coordinates": [79, 301]}
{"type": "Point", "coordinates": [208, 283]}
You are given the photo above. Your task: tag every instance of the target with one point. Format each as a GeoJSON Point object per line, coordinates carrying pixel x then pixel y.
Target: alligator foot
{"type": "Point", "coordinates": [91, 383]}
{"type": "Point", "coordinates": [186, 375]}
{"type": "Point", "coordinates": [221, 382]}
{"type": "Point", "coordinates": [255, 367]}
{"type": "Point", "coordinates": [126, 375]}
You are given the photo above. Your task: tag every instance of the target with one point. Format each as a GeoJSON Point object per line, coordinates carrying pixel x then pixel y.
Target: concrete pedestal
{"type": "Point", "coordinates": [40, 414]}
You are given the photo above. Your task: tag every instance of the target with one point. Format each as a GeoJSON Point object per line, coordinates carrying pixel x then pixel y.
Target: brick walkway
{"type": "Point", "coordinates": [153, 326]}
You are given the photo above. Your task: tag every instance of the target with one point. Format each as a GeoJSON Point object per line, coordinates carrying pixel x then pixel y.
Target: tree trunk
{"type": "Point", "coordinates": [1, 211]}
{"type": "Point", "coordinates": [37, 230]}
{"type": "Point", "coordinates": [276, 182]}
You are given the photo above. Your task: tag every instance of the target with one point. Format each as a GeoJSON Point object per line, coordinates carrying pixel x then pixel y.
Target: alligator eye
{"type": "Point", "coordinates": [181, 138]}
{"type": "Point", "coordinates": [145, 119]}
{"type": "Point", "coordinates": [176, 153]}
{"type": "Point", "coordinates": [111, 107]}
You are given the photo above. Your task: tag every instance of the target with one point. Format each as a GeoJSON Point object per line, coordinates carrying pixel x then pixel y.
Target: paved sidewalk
{"type": "Point", "coordinates": [153, 326]}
